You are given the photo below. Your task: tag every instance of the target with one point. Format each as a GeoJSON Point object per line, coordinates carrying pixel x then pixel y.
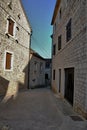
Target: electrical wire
{"type": "Point", "coordinates": [43, 50]}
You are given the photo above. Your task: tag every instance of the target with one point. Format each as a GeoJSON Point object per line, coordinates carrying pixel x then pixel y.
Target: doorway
{"type": "Point", "coordinates": [46, 79]}
{"type": "Point", "coordinates": [69, 84]}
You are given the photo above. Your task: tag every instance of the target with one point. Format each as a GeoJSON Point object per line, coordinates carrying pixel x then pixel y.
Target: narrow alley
{"type": "Point", "coordinates": [39, 109]}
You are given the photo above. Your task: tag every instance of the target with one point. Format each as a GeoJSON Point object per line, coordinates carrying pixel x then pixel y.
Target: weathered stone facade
{"type": "Point", "coordinates": [37, 70]}
{"type": "Point", "coordinates": [73, 53]}
{"type": "Point", "coordinates": [17, 45]}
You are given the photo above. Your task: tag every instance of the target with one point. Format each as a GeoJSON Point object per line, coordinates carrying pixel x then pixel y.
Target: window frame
{"type": "Point", "coordinates": [14, 27]}
{"type": "Point", "coordinates": [12, 57]}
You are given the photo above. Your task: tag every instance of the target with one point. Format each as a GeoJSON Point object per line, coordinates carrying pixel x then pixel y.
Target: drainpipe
{"type": "Point", "coordinates": [30, 34]}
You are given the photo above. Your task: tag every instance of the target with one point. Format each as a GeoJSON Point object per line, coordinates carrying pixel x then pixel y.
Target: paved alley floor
{"type": "Point", "coordinates": [38, 109]}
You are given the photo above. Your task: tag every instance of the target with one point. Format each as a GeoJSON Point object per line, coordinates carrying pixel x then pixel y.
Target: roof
{"type": "Point", "coordinates": [55, 11]}
{"type": "Point", "coordinates": [36, 54]}
{"type": "Point", "coordinates": [48, 59]}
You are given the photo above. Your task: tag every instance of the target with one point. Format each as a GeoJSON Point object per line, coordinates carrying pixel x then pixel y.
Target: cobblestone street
{"type": "Point", "coordinates": [38, 109]}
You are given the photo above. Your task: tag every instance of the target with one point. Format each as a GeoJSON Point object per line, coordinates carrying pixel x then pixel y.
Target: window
{"type": "Point", "coordinates": [54, 49]}
{"type": "Point", "coordinates": [41, 67]}
{"type": "Point", "coordinates": [47, 64]}
{"type": "Point", "coordinates": [60, 13]}
{"type": "Point", "coordinates": [55, 27]}
{"type": "Point", "coordinates": [59, 42]}
{"type": "Point", "coordinates": [59, 80]}
{"type": "Point", "coordinates": [53, 74]}
{"type": "Point", "coordinates": [11, 27]}
{"type": "Point", "coordinates": [35, 65]}
{"type": "Point", "coordinates": [8, 61]}
{"type": "Point", "coordinates": [68, 31]}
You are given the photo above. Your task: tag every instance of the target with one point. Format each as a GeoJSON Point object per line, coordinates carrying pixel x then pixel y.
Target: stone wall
{"type": "Point", "coordinates": [73, 53]}
{"type": "Point", "coordinates": [37, 71]}
{"type": "Point", "coordinates": [17, 45]}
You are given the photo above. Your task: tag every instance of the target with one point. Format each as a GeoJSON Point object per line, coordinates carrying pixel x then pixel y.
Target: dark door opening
{"type": "Point", "coordinates": [46, 79]}
{"type": "Point", "coordinates": [69, 84]}
{"type": "Point", "coordinates": [46, 76]}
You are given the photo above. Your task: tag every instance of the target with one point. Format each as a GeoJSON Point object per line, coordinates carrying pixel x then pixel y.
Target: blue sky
{"type": "Point", "coordinates": [40, 13]}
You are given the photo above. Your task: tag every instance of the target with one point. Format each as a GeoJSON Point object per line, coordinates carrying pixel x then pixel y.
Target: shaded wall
{"type": "Point", "coordinates": [37, 72]}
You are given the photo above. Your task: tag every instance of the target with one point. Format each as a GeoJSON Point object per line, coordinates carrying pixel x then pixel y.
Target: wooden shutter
{"type": "Point", "coordinates": [10, 27]}
{"type": "Point", "coordinates": [8, 60]}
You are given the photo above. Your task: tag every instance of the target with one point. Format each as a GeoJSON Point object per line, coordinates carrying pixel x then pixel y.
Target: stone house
{"type": "Point", "coordinates": [15, 33]}
{"type": "Point", "coordinates": [37, 70]}
{"type": "Point", "coordinates": [69, 58]}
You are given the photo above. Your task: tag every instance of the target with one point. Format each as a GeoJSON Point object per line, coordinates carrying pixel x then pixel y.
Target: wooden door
{"type": "Point", "coordinates": [69, 84]}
